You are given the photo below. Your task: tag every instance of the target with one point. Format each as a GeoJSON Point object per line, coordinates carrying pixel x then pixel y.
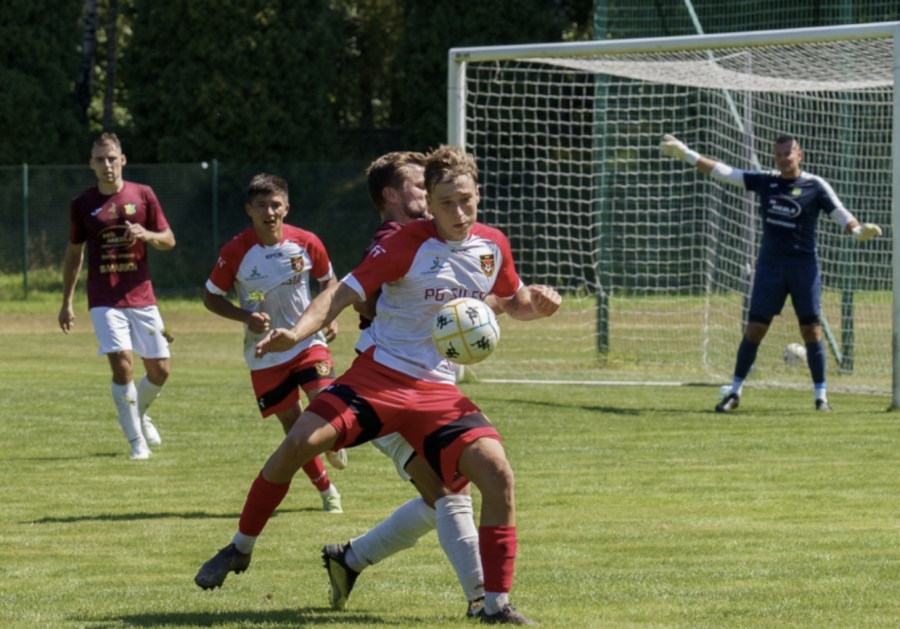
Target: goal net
{"type": "Point", "coordinates": [655, 260]}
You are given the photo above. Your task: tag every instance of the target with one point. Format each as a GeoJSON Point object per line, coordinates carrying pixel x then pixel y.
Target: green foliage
{"type": "Point", "coordinates": [39, 60]}
{"type": "Point", "coordinates": [245, 81]}
{"type": "Point", "coordinates": [432, 30]}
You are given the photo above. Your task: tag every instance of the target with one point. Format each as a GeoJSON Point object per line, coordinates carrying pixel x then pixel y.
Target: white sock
{"type": "Point", "coordinates": [147, 392]}
{"type": "Point", "coordinates": [459, 539]}
{"type": "Point", "coordinates": [331, 491]}
{"type": "Point", "coordinates": [820, 392]}
{"type": "Point", "coordinates": [737, 385]}
{"type": "Point", "coordinates": [495, 601]}
{"type": "Point", "coordinates": [399, 531]}
{"type": "Point", "coordinates": [125, 397]}
{"type": "Point", "coordinates": [243, 543]}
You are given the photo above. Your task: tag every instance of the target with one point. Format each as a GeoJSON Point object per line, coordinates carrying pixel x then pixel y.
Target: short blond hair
{"type": "Point", "coordinates": [447, 162]}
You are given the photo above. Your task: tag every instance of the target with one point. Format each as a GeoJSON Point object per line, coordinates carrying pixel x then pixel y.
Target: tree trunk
{"type": "Point", "coordinates": [112, 49]}
{"type": "Point", "coordinates": [88, 50]}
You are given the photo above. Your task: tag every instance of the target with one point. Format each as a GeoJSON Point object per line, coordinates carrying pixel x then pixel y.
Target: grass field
{"type": "Point", "coordinates": [638, 506]}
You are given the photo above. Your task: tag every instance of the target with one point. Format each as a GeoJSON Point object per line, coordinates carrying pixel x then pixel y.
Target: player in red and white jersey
{"type": "Point", "coordinates": [269, 265]}
{"type": "Point", "coordinates": [384, 392]}
{"type": "Point", "coordinates": [117, 219]}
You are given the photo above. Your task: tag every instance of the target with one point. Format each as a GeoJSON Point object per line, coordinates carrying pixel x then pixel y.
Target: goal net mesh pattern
{"type": "Point", "coordinates": [655, 259]}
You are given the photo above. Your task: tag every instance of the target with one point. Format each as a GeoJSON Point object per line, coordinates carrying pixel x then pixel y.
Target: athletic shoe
{"type": "Point", "coordinates": [229, 559]}
{"type": "Point", "coordinates": [332, 503]}
{"type": "Point", "coordinates": [731, 402]}
{"type": "Point", "coordinates": [139, 450]}
{"type": "Point", "coordinates": [506, 615]}
{"type": "Point", "coordinates": [342, 576]}
{"type": "Point", "coordinates": [337, 459]}
{"type": "Point", "coordinates": [150, 432]}
{"type": "Point", "coordinates": [822, 405]}
{"type": "Point", "coordinates": [475, 607]}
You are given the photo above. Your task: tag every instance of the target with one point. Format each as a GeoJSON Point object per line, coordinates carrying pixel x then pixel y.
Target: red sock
{"type": "Point", "coordinates": [263, 499]}
{"type": "Point", "coordinates": [315, 469]}
{"type": "Point", "coordinates": [498, 546]}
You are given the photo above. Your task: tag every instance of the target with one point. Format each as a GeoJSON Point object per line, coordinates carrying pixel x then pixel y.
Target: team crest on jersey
{"type": "Point", "coordinates": [487, 264]}
{"type": "Point", "coordinates": [113, 211]}
{"type": "Point", "coordinates": [323, 368]}
{"type": "Point", "coordinates": [130, 209]}
{"type": "Point", "coordinates": [297, 264]}
{"type": "Point", "coordinates": [796, 192]}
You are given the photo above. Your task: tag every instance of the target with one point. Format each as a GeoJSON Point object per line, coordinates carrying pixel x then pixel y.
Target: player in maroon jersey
{"type": "Point", "coordinates": [270, 266]}
{"type": "Point", "coordinates": [117, 219]}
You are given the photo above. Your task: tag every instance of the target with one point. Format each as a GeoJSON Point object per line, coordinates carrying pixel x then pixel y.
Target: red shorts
{"type": "Point", "coordinates": [371, 400]}
{"type": "Point", "coordinates": [276, 388]}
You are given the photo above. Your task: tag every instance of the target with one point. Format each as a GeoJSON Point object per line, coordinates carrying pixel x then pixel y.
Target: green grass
{"type": "Point", "coordinates": [638, 507]}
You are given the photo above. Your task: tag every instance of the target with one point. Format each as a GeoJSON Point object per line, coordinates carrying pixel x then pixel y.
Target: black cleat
{"type": "Point", "coordinates": [475, 607]}
{"type": "Point", "coordinates": [212, 574]}
{"type": "Point", "coordinates": [342, 576]}
{"type": "Point", "coordinates": [822, 405]}
{"type": "Point", "coordinates": [731, 402]}
{"type": "Point", "coordinates": [506, 615]}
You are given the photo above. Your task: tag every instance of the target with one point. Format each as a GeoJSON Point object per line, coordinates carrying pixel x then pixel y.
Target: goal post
{"type": "Point", "coordinates": [654, 259]}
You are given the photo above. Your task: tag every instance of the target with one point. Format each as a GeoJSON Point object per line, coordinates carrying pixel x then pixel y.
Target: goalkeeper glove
{"type": "Point", "coordinates": [865, 232]}
{"type": "Point", "coordinates": [670, 146]}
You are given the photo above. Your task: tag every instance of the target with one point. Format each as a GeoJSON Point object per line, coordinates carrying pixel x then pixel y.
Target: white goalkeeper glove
{"type": "Point", "coordinates": [670, 146]}
{"type": "Point", "coordinates": [865, 232]}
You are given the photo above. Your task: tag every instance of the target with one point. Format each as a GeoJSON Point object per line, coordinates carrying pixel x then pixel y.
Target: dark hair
{"type": "Point", "coordinates": [108, 139]}
{"type": "Point", "coordinates": [266, 184]}
{"type": "Point", "coordinates": [446, 162]}
{"type": "Point", "coordinates": [784, 139]}
{"type": "Point", "coordinates": [389, 171]}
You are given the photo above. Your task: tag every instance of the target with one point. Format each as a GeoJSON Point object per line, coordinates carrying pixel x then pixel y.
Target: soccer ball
{"type": "Point", "coordinates": [795, 355]}
{"type": "Point", "coordinates": [465, 331]}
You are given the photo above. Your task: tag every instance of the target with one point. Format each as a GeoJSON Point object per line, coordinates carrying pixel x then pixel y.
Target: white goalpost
{"type": "Point", "coordinates": [655, 260]}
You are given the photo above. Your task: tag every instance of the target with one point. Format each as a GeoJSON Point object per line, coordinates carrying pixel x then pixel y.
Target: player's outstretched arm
{"type": "Point", "coordinates": [670, 146]}
{"type": "Point", "coordinates": [322, 311]}
{"type": "Point", "coordinates": [532, 302]}
{"type": "Point", "coordinates": [864, 232]}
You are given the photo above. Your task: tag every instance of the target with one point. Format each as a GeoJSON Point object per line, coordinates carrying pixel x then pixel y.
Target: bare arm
{"type": "Point", "coordinates": [331, 330]}
{"type": "Point", "coordinates": [161, 241]}
{"type": "Point", "coordinates": [74, 257]}
{"type": "Point", "coordinates": [323, 310]}
{"type": "Point", "coordinates": [532, 302]}
{"type": "Point", "coordinates": [257, 322]}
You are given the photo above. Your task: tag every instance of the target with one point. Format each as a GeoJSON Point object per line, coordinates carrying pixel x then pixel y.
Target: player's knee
{"type": "Point", "coordinates": [812, 320]}
{"type": "Point", "coordinates": [484, 463]}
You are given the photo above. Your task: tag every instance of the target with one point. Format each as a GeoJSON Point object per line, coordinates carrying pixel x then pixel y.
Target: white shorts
{"type": "Point", "coordinates": [398, 450]}
{"type": "Point", "coordinates": [138, 329]}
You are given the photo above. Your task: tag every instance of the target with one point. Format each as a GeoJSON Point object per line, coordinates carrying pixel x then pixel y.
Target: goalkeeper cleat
{"type": "Point", "coordinates": [475, 607]}
{"type": "Point", "coordinates": [342, 576]}
{"type": "Point", "coordinates": [506, 616]}
{"type": "Point", "coordinates": [822, 405]}
{"type": "Point", "coordinates": [731, 402]}
{"type": "Point", "coordinates": [150, 432]}
{"type": "Point", "coordinates": [337, 459]}
{"type": "Point", "coordinates": [229, 559]}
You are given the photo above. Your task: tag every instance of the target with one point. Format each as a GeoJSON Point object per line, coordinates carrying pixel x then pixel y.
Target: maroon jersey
{"type": "Point", "coordinates": [384, 230]}
{"type": "Point", "coordinates": [118, 273]}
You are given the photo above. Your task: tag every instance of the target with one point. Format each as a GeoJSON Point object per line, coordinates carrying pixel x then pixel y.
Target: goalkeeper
{"type": "Point", "coordinates": [790, 201]}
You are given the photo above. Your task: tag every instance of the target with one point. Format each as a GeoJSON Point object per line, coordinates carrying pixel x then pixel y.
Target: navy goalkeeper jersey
{"type": "Point", "coordinates": [790, 210]}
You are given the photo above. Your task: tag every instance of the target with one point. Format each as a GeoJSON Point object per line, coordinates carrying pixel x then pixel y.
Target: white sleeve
{"type": "Point", "coordinates": [727, 174]}
{"type": "Point", "coordinates": [842, 216]}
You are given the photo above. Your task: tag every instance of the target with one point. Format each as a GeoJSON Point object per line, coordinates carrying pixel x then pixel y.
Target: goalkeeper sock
{"type": "Point", "coordinates": [746, 356]}
{"type": "Point", "coordinates": [815, 359]}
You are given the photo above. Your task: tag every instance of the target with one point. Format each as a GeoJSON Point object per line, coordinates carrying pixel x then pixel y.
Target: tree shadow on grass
{"type": "Point", "coordinates": [128, 517]}
{"type": "Point", "coordinates": [275, 619]}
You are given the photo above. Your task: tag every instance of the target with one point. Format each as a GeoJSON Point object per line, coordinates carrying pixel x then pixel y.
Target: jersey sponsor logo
{"type": "Point", "coordinates": [130, 209]}
{"type": "Point", "coordinates": [784, 207]}
{"type": "Point", "coordinates": [118, 268]}
{"type": "Point", "coordinates": [298, 264]}
{"type": "Point", "coordinates": [447, 294]}
{"type": "Point", "coordinates": [487, 264]}
{"type": "Point", "coordinates": [277, 254]}
{"type": "Point", "coordinates": [255, 273]}
{"type": "Point", "coordinates": [436, 265]}
{"type": "Point", "coordinates": [116, 237]}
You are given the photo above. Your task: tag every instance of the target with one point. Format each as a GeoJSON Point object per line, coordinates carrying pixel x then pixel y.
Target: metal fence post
{"type": "Point", "coordinates": [25, 261]}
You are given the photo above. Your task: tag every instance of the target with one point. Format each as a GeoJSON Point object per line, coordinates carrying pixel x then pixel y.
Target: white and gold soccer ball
{"type": "Point", "coordinates": [795, 355]}
{"type": "Point", "coordinates": [465, 331]}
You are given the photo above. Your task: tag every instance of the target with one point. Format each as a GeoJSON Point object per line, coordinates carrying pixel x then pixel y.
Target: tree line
{"type": "Point", "coordinates": [245, 80]}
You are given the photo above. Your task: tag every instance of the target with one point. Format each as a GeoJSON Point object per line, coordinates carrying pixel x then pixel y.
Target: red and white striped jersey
{"type": "Point", "coordinates": [272, 279]}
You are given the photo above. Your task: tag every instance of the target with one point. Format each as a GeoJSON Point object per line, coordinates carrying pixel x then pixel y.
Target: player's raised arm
{"type": "Point", "coordinates": [670, 146]}
{"type": "Point", "coordinates": [321, 312]}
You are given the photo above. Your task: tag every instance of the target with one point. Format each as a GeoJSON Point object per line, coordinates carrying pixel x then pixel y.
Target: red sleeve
{"type": "Point", "coordinates": [508, 281]}
{"type": "Point", "coordinates": [321, 264]}
{"type": "Point", "coordinates": [226, 268]}
{"type": "Point", "coordinates": [156, 220]}
{"type": "Point", "coordinates": [391, 257]}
